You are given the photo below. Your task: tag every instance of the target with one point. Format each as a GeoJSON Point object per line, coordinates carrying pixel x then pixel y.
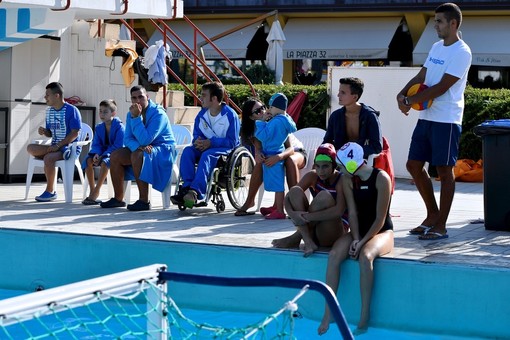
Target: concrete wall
{"type": "Point", "coordinates": [28, 68]}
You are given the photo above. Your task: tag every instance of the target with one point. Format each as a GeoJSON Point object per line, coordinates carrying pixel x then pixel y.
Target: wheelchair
{"type": "Point", "coordinates": [231, 174]}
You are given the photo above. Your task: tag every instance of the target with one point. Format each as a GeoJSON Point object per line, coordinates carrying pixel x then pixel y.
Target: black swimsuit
{"type": "Point", "coordinates": [365, 197]}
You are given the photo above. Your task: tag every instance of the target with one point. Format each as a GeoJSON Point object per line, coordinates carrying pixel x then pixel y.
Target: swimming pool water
{"type": "Point", "coordinates": [304, 328]}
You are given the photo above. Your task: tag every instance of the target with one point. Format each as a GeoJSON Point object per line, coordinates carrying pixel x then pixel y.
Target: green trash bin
{"type": "Point", "coordinates": [495, 136]}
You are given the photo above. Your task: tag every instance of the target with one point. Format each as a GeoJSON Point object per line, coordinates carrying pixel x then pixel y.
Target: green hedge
{"type": "Point", "coordinates": [481, 105]}
{"type": "Point", "coordinates": [313, 112]}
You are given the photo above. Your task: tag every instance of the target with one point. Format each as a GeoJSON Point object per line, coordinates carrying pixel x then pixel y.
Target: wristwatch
{"type": "Point", "coordinates": [406, 101]}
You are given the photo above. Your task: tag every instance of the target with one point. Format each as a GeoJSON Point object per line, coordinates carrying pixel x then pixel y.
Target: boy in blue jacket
{"type": "Point", "coordinates": [108, 136]}
{"type": "Point", "coordinates": [272, 134]}
{"type": "Point", "coordinates": [215, 133]}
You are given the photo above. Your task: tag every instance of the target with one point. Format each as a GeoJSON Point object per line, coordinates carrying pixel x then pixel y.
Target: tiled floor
{"type": "Point", "coordinates": [469, 242]}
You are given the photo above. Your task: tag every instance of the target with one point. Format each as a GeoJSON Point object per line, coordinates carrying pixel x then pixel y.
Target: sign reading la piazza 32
{"type": "Point", "coordinates": [352, 54]}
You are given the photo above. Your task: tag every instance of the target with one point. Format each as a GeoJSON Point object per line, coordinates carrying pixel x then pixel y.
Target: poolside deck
{"type": "Point", "coordinates": [469, 243]}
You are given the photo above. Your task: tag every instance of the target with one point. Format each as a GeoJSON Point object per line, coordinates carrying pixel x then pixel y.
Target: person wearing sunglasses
{"type": "Point", "coordinates": [294, 155]}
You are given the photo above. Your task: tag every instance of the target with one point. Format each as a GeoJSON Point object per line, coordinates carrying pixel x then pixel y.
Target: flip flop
{"type": "Point", "coordinates": [432, 236]}
{"type": "Point", "coordinates": [244, 213]}
{"type": "Point", "coordinates": [419, 230]}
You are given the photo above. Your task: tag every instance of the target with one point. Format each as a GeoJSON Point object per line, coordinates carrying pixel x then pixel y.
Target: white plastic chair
{"type": "Point", "coordinates": [66, 166]}
{"type": "Point", "coordinates": [311, 139]}
{"type": "Point", "coordinates": [183, 138]}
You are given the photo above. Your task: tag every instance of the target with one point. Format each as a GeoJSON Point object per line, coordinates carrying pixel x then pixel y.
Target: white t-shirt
{"type": "Point", "coordinates": [454, 60]}
{"type": "Point", "coordinates": [214, 126]}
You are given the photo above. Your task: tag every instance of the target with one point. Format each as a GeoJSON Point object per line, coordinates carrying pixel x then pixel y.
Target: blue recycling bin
{"type": "Point", "coordinates": [495, 136]}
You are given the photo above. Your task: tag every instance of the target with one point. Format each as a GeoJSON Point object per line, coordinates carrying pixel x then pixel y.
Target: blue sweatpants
{"type": "Point", "coordinates": [206, 162]}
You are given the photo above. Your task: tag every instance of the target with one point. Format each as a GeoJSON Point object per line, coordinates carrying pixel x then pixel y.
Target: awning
{"type": "Point", "coordinates": [487, 37]}
{"type": "Point", "coordinates": [339, 38]}
{"type": "Point", "coordinates": [234, 45]}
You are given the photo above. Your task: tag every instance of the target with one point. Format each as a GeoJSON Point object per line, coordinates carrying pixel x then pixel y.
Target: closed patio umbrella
{"type": "Point", "coordinates": [274, 55]}
{"type": "Point", "coordinates": [296, 105]}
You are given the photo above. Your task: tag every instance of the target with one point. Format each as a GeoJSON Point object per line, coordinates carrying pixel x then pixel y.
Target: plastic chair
{"type": "Point", "coordinates": [183, 138]}
{"type": "Point", "coordinates": [311, 139]}
{"type": "Point", "coordinates": [66, 166]}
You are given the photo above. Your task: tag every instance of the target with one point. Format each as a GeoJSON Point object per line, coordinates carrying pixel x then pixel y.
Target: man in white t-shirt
{"type": "Point", "coordinates": [437, 133]}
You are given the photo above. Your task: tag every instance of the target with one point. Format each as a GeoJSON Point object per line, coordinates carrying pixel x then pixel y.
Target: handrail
{"type": "Point", "coordinates": [198, 62]}
{"type": "Point", "coordinates": [133, 32]}
{"type": "Point", "coordinates": [238, 27]}
{"type": "Point", "coordinates": [254, 93]}
{"type": "Point", "coordinates": [126, 4]}
{"type": "Point", "coordinates": [318, 286]}
{"type": "Point", "coordinates": [196, 56]}
{"type": "Point", "coordinates": [193, 61]}
{"type": "Point", "coordinates": [66, 7]}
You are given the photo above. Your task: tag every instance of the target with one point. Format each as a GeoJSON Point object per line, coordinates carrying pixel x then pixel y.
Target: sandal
{"type": "Point", "coordinates": [244, 213]}
{"type": "Point", "coordinates": [419, 230]}
{"type": "Point", "coordinates": [89, 201]}
{"type": "Point", "coordinates": [433, 236]}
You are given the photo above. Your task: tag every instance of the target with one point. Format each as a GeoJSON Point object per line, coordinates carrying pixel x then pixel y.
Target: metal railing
{"type": "Point", "coordinates": [138, 38]}
{"type": "Point", "coordinates": [195, 55]}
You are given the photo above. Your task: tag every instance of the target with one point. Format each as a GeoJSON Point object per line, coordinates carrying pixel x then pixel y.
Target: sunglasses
{"type": "Point", "coordinates": [259, 110]}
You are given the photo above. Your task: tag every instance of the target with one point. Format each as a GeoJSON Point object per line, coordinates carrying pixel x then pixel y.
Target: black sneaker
{"type": "Point", "coordinates": [139, 206]}
{"type": "Point", "coordinates": [178, 199]}
{"type": "Point", "coordinates": [113, 203]}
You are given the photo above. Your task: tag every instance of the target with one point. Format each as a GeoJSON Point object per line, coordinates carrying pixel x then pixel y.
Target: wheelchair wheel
{"type": "Point", "coordinates": [220, 206]}
{"type": "Point", "coordinates": [239, 169]}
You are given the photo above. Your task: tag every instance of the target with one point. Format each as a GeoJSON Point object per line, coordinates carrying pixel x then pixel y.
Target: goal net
{"type": "Point", "coordinates": [133, 304]}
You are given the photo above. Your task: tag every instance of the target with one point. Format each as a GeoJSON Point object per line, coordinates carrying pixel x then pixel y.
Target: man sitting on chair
{"type": "Point", "coordinates": [63, 124]}
{"type": "Point", "coordinates": [149, 150]}
{"type": "Point", "coordinates": [215, 133]}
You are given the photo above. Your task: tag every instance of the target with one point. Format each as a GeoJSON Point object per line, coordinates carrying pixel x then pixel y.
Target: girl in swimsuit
{"type": "Point", "coordinates": [318, 222]}
{"type": "Point", "coordinates": [367, 194]}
